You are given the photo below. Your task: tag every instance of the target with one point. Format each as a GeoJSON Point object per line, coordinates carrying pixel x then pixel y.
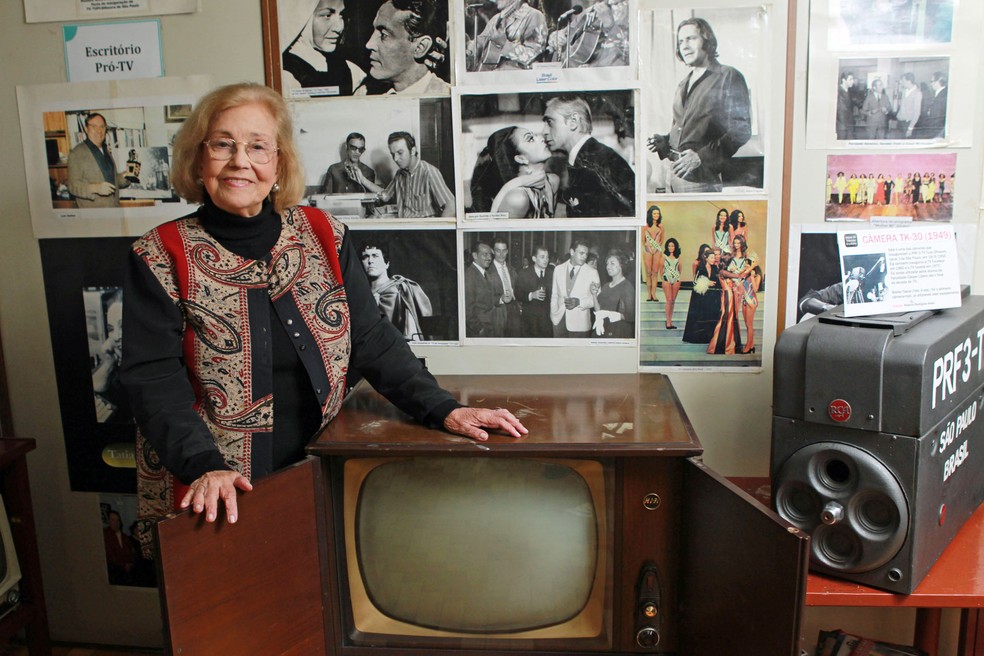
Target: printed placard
{"type": "Point", "coordinates": [898, 270]}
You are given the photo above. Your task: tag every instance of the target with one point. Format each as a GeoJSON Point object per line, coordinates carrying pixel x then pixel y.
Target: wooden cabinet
{"type": "Point", "coordinates": [30, 615]}
{"type": "Point", "coordinates": [285, 578]}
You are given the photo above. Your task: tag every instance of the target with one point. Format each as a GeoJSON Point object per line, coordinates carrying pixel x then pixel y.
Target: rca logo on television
{"type": "Point", "coordinates": [839, 410]}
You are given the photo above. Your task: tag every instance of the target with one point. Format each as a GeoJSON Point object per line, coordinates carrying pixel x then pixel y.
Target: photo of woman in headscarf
{"type": "Point", "coordinates": [315, 55]}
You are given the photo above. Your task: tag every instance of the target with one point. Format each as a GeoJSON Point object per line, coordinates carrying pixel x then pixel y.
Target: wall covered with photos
{"type": "Point", "coordinates": [488, 119]}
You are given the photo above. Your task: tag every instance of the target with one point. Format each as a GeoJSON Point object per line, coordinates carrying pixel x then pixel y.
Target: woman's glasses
{"type": "Point", "coordinates": [258, 152]}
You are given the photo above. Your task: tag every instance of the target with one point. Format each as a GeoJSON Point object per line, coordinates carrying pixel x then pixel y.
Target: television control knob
{"type": "Point", "coordinates": [649, 610]}
{"type": "Point", "coordinates": [647, 637]}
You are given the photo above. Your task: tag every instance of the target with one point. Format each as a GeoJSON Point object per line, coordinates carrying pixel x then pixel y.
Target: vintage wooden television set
{"type": "Point", "coordinates": [601, 532]}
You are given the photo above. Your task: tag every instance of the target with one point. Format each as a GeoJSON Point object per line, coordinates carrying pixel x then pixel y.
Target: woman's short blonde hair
{"type": "Point", "coordinates": [189, 151]}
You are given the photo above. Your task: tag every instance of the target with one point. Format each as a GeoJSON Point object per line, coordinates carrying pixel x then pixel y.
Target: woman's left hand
{"type": "Point", "coordinates": [470, 422]}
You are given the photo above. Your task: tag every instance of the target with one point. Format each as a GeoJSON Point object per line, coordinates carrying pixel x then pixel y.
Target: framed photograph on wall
{"type": "Point", "coordinates": [917, 185]}
{"type": "Point", "coordinates": [130, 124]}
{"type": "Point", "coordinates": [705, 306]}
{"type": "Point", "coordinates": [545, 41]}
{"type": "Point", "coordinates": [549, 286]}
{"type": "Point", "coordinates": [414, 278]}
{"type": "Point", "coordinates": [318, 48]}
{"type": "Point", "coordinates": [83, 281]}
{"type": "Point", "coordinates": [378, 158]}
{"type": "Point", "coordinates": [706, 98]}
{"type": "Point", "coordinates": [906, 51]}
{"type": "Point", "coordinates": [515, 154]}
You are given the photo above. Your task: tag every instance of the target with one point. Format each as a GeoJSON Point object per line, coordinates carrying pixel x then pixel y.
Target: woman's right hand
{"type": "Point", "coordinates": [205, 492]}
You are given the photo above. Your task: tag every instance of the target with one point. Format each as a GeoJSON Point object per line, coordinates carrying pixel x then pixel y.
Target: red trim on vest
{"type": "Point", "coordinates": [173, 244]}
{"type": "Point", "coordinates": [323, 231]}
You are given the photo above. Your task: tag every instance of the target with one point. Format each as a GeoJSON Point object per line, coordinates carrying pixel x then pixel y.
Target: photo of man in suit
{"type": "Point", "coordinates": [507, 278]}
{"type": "Point", "coordinates": [93, 179]}
{"type": "Point", "coordinates": [932, 123]}
{"type": "Point", "coordinates": [485, 313]}
{"type": "Point", "coordinates": [533, 286]}
{"type": "Point", "coordinates": [571, 301]}
{"type": "Point", "coordinates": [605, 183]}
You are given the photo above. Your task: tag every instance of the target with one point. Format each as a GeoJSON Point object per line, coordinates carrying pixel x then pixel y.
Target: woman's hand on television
{"type": "Point", "coordinates": [471, 422]}
{"type": "Point", "coordinates": [205, 493]}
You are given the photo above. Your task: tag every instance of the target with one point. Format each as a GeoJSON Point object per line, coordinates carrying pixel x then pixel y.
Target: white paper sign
{"type": "Point", "coordinates": [899, 269]}
{"type": "Point", "coordinates": [113, 51]}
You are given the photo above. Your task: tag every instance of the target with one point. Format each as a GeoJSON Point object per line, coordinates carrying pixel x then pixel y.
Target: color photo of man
{"type": "Point", "coordinates": [93, 179]}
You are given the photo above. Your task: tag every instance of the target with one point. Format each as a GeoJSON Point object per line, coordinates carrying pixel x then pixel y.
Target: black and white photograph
{"type": "Point", "coordinates": [98, 154]}
{"type": "Point", "coordinates": [104, 328]}
{"type": "Point", "coordinates": [879, 23]}
{"type": "Point", "coordinates": [705, 74]}
{"type": "Point", "coordinates": [817, 280]}
{"type": "Point", "coordinates": [517, 41]}
{"type": "Point", "coordinates": [83, 282]}
{"type": "Point", "coordinates": [388, 158]}
{"type": "Point", "coordinates": [413, 275]}
{"type": "Point", "coordinates": [864, 278]}
{"type": "Point", "coordinates": [360, 47]}
{"type": "Point", "coordinates": [549, 285]}
{"type": "Point", "coordinates": [547, 155]}
{"type": "Point", "coordinates": [892, 98]}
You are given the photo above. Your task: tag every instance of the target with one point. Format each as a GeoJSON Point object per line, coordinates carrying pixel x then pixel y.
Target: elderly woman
{"type": "Point", "coordinates": [245, 317]}
{"type": "Point", "coordinates": [511, 175]}
{"type": "Point", "coordinates": [314, 55]}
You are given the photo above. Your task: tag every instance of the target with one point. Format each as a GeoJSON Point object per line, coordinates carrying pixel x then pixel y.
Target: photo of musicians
{"type": "Point", "coordinates": [703, 283]}
{"type": "Point", "coordinates": [391, 158]}
{"type": "Point", "coordinates": [705, 102]}
{"type": "Point", "coordinates": [549, 285]}
{"type": "Point", "coordinates": [895, 98]}
{"type": "Point", "coordinates": [413, 275]}
{"type": "Point", "coordinates": [547, 155]}
{"type": "Point", "coordinates": [341, 47]}
{"type": "Point", "coordinates": [503, 39]}
{"type": "Point", "coordinates": [915, 185]}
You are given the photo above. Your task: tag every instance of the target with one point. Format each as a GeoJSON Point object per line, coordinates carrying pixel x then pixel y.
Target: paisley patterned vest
{"type": "Point", "coordinates": [221, 295]}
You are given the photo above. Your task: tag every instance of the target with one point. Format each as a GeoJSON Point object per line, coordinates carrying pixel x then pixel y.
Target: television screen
{"type": "Point", "coordinates": [470, 545]}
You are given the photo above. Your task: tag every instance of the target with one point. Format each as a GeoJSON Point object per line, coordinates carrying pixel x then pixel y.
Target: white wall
{"type": "Point", "coordinates": [734, 428]}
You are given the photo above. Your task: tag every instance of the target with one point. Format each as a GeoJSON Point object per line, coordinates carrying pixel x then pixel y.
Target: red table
{"type": "Point", "coordinates": [955, 581]}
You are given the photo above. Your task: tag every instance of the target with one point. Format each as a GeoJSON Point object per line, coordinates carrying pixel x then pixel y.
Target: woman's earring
{"type": "Point", "coordinates": [275, 188]}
